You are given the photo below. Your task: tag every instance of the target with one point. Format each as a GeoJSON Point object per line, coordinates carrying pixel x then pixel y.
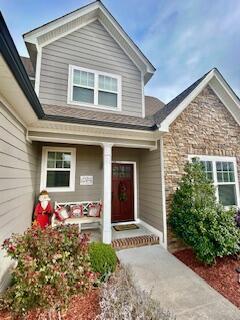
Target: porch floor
{"type": "Point", "coordinates": [142, 234]}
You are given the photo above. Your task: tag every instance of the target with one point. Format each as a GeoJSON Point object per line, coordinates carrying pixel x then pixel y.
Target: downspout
{"type": "Point", "coordinates": [163, 194]}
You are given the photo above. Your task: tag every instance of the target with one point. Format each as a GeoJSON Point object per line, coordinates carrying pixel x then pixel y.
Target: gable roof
{"type": "Point", "coordinates": [152, 105]}
{"type": "Point", "coordinates": [74, 20]}
{"type": "Point", "coordinates": [161, 114]}
{"type": "Point", "coordinates": [98, 118]}
{"type": "Point", "coordinates": [166, 115]}
{"type": "Point", "coordinates": [28, 66]}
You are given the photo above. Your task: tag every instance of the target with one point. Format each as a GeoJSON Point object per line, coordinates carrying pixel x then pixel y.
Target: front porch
{"type": "Point", "coordinates": [124, 176]}
{"type": "Point", "coordinates": [127, 238]}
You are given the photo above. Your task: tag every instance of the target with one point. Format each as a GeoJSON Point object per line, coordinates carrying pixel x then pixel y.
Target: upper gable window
{"type": "Point", "coordinates": [94, 88]}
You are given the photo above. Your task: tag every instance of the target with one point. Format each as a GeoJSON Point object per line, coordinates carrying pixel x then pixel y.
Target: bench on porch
{"type": "Point", "coordinates": [77, 220]}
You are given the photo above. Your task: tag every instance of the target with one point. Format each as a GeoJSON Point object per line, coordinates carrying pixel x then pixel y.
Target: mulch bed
{"type": "Point", "coordinates": [85, 307]}
{"type": "Point", "coordinates": [222, 276]}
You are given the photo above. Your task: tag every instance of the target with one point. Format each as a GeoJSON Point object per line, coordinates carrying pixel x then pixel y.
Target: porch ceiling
{"type": "Point", "coordinates": [71, 138]}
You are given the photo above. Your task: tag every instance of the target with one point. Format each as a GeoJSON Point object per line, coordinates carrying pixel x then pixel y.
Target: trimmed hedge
{"type": "Point", "coordinates": [103, 259]}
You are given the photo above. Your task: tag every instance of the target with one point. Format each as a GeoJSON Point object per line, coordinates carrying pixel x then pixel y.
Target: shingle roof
{"type": "Point", "coordinates": [83, 116]}
{"type": "Point", "coordinates": [28, 66]}
{"type": "Point", "coordinates": [152, 105]}
{"type": "Point", "coordinates": [161, 114]}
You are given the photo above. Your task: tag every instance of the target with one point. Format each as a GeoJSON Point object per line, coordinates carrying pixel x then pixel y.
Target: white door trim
{"type": "Point", "coordinates": [135, 189]}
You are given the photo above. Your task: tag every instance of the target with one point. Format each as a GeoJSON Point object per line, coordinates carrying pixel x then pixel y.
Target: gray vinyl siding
{"type": "Point", "coordinates": [90, 47]}
{"type": "Point", "coordinates": [89, 162]}
{"type": "Point", "coordinates": [150, 188]}
{"type": "Point", "coordinates": [18, 160]}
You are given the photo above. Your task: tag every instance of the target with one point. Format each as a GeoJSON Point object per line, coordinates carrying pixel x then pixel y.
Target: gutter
{"type": "Point", "coordinates": [13, 60]}
{"type": "Point", "coordinates": [66, 119]}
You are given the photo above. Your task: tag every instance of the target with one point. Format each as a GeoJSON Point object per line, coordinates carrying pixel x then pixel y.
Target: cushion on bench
{"type": "Point", "coordinates": [85, 205]}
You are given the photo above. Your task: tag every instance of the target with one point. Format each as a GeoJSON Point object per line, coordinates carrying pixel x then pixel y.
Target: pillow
{"type": "Point", "coordinates": [77, 211]}
{"type": "Point", "coordinates": [62, 213]}
{"type": "Point", "coordinates": [94, 210]}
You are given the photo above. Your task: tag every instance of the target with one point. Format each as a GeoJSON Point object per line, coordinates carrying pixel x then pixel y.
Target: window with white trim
{"type": "Point", "coordinates": [94, 88]}
{"type": "Point", "coordinates": [58, 169]}
{"type": "Point", "coordinates": [222, 171]}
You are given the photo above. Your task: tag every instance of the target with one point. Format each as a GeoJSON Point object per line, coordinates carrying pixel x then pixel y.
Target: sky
{"type": "Point", "coordinates": [182, 39]}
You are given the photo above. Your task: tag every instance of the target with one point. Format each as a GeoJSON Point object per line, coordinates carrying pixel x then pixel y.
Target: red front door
{"type": "Point", "coordinates": [122, 192]}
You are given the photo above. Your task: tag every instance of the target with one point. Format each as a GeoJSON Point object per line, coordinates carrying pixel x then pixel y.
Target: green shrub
{"type": "Point", "coordinates": [52, 265]}
{"type": "Point", "coordinates": [103, 259]}
{"type": "Point", "coordinates": [199, 220]}
{"type": "Point", "coordinates": [121, 299]}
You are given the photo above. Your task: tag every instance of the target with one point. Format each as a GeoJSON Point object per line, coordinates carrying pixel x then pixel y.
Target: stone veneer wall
{"type": "Point", "coordinates": [205, 127]}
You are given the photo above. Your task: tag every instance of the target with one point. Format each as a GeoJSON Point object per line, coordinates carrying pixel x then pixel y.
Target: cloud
{"type": "Point", "coordinates": [183, 39]}
{"type": "Point", "coordinates": [188, 38]}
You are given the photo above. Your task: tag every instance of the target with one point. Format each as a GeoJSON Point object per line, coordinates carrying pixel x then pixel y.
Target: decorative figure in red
{"type": "Point", "coordinates": [43, 210]}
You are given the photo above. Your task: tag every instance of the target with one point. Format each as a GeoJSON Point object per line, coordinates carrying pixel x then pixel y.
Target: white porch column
{"type": "Point", "coordinates": [107, 193]}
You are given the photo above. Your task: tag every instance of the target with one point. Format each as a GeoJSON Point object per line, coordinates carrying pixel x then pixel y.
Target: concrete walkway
{"type": "Point", "coordinates": [175, 286]}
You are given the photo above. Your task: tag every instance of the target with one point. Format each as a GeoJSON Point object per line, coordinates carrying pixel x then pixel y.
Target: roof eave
{"type": "Point", "coordinates": [100, 123]}
{"type": "Point", "coordinates": [32, 36]}
{"type": "Point", "coordinates": [13, 60]}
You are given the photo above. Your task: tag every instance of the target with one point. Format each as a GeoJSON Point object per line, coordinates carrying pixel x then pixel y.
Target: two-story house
{"type": "Point", "coordinates": [89, 133]}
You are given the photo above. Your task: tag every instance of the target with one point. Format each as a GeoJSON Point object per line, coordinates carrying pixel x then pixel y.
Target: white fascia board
{"type": "Point", "coordinates": [60, 127]}
{"type": "Point", "coordinates": [137, 51]}
{"type": "Point", "coordinates": [227, 88]}
{"type": "Point", "coordinates": [34, 34]}
{"type": "Point", "coordinates": [213, 79]}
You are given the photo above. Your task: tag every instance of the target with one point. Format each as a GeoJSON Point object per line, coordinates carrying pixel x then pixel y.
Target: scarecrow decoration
{"type": "Point", "coordinates": [43, 210]}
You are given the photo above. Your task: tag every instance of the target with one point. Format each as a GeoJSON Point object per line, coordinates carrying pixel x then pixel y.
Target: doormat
{"type": "Point", "coordinates": [124, 227]}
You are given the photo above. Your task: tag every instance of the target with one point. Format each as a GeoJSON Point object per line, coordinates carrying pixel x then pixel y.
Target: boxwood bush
{"type": "Point", "coordinates": [199, 220]}
{"type": "Point", "coordinates": [103, 259]}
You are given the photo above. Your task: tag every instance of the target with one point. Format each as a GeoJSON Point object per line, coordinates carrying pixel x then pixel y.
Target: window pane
{"type": "Point", "coordinates": [51, 155]}
{"type": "Point", "coordinates": [67, 164]}
{"type": "Point", "coordinates": [225, 177]}
{"type": "Point", "coordinates": [76, 77]}
{"type": "Point", "coordinates": [208, 169]}
{"type": "Point", "coordinates": [83, 95]}
{"type": "Point", "coordinates": [107, 83]}
{"type": "Point", "coordinates": [225, 166]}
{"type": "Point", "coordinates": [219, 166]}
{"type": "Point", "coordinates": [51, 164]}
{"type": "Point", "coordinates": [225, 171]}
{"type": "Point", "coordinates": [67, 156]}
{"type": "Point", "coordinates": [209, 165]}
{"type": "Point", "coordinates": [231, 177]}
{"type": "Point", "coordinates": [83, 78]}
{"type": "Point", "coordinates": [209, 175]}
{"type": "Point", "coordinates": [107, 99]}
{"type": "Point", "coordinates": [219, 177]}
{"type": "Point", "coordinates": [59, 164]}
{"type": "Point", "coordinates": [58, 179]}
{"type": "Point", "coordinates": [59, 155]}
{"type": "Point", "coordinates": [227, 194]}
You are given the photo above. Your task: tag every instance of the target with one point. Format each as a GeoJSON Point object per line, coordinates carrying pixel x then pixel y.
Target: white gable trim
{"type": "Point", "coordinates": [44, 43]}
{"type": "Point", "coordinates": [33, 35]}
{"type": "Point", "coordinates": [221, 89]}
{"type": "Point", "coordinates": [96, 10]}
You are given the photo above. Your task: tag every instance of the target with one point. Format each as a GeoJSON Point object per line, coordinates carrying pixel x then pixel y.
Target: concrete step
{"type": "Point", "coordinates": [133, 242]}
